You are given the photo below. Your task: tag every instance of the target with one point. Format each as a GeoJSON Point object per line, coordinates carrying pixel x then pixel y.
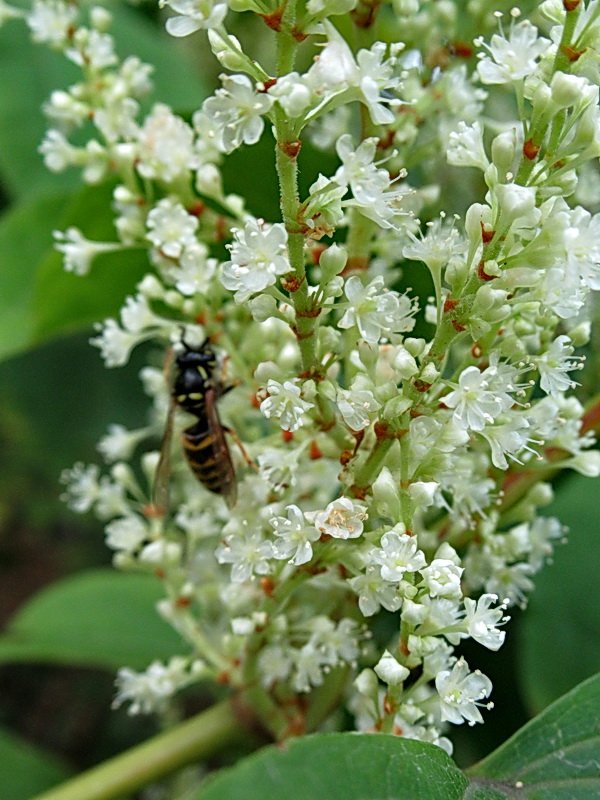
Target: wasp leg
{"type": "Point", "coordinates": [242, 449]}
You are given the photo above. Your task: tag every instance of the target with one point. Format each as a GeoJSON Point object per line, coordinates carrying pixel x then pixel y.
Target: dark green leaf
{"type": "Point", "coordinates": [26, 771]}
{"type": "Point", "coordinates": [556, 756]}
{"type": "Point", "coordinates": [559, 634]}
{"type": "Point", "coordinates": [344, 765]}
{"type": "Point", "coordinates": [38, 299]}
{"type": "Point", "coordinates": [97, 618]}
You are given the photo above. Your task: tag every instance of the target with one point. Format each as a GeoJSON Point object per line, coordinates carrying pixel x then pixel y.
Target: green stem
{"type": "Point", "coordinates": [365, 475]}
{"type": "Point", "coordinates": [195, 739]}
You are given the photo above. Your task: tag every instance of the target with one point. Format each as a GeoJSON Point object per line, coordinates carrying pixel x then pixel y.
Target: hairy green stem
{"type": "Point", "coordinates": [192, 740]}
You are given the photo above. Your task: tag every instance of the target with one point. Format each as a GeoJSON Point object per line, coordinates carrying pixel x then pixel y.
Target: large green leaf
{"type": "Point", "coordinates": [97, 618]}
{"type": "Point", "coordinates": [30, 72]}
{"type": "Point", "coordinates": [38, 299]}
{"type": "Point", "coordinates": [559, 634]}
{"type": "Point", "coordinates": [556, 756]}
{"type": "Point", "coordinates": [343, 765]}
{"type": "Point", "coordinates": [26, 771]}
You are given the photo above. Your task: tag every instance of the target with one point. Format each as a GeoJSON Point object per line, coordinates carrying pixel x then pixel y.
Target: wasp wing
{"type": "Point", "coordinates": [160, 490]}
{"type": "Point", "coordinates": [220, 450]}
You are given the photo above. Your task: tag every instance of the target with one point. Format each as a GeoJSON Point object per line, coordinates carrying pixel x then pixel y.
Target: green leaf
{"type": "Point", "coordinates": [559, 634]}
{"type": "Point", "coordinates": [344, 765]}
{"type": "Point", "coordinates": [556, 756]}
{"type": "Point", "coordinates": [97, 618]}
{"type": "Point", "coordinates": [31, 72]}
{"type": "Point", "coordinates": [38, 299]}
{"type": "Point", "coordinates": [26, 770]}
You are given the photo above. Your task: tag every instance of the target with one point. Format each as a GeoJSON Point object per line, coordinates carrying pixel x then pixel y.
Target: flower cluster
{"type": "Point", "coordinates": [398, 446]}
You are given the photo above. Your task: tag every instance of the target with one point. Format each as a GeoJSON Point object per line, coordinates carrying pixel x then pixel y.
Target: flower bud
{"type": "Point", "coordinates": [390, 670]}
{"type": "Point", "coordinates": [332, 262]}
{"type": "Point", "coordinates": [366, 683]}
{"type": "Point", "coordinates": [228, 51]}
{"type": "Point", "coordinates": [566, 89]}
{"type": "Point", "coordinates": [386, 494]}
{"type": "Point", "coordinates": [262, 307]}
{"type": "Point", "coordinates": [423, 493]}
{"type": "Point", "coordinates": [504, 148]}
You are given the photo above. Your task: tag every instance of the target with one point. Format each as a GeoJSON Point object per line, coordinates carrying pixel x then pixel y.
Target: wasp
{"type": "Point", "coordinates": [196, 389]}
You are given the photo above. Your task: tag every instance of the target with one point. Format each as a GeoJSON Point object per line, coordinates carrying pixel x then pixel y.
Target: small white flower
{"type": "Point", "coordinates": [342, 519]}
{"type": "Point", "coordinates": [119, 443]}
{"type": "Point", "coordinates": [554, 365]}
{"type": "Point", "coordinates": [126, 534]}
{"type": "Point", "coordinates": [373, 592]}
{"type": "Point", "coordinates": [115, 343]}
{"type": "Point", "coordinates": [51, 21]}
{"type": "Point", "coordinates": [236, 112]}
{"type": "Point", "coordinates": [375, 310]}
{"type": "Point", "coordinates": [482, 621]}
{"type": "Point", "coordinates": [248, 554]}
{"type": "Point", "coordinates": [285, 404]}
{"type": "Point", "coordinates": [399, 553]}
{"type": "Point", "coordinates": [465, 147]}
{"type": "Point", "coordinates": [512, 59]}
{"type": "Point", "coordinates": [475, 404]}
{"type": "Point", "coordinates": [294, 537]}
{"type": "Point", "coordinates": [165, 146]}
{"type": "Point", "coordinates": [151, 690]}
{"type": "Point", "coordinates": [356, 407]}
{"type": "Point", "coordinates": [442, 578]}
{"type": "Point", "coordinates": [82, 486]}
{"type": "Point", "coordinates": [258, 256]}
{"type": "Point", "coordinates": [461, 692]}
{"type": "Point", "coordinates": [170, 228]}
{"type": "Point", "coordinates": [193, 15]}
{"type": "Point", "coordinates": [78, 251]}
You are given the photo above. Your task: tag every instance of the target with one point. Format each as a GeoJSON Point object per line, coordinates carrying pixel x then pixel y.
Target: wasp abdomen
{"type": "Point", "coordinates": [208, 456]}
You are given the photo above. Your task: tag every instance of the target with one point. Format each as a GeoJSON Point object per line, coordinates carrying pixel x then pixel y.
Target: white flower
{"type": "Point", "coordinates": [512, 59]}
{"type": "Point", "coordinates": [375, 310]}
{"type": "Point", "coordinates": [356, 406]}
{"type": "Point", "coordinates": [57, 152]}
{"type": "Point", "coordinates": [465, 146]}
{"type": "Point", "coordinates": [294, 537]}
{"type": "Point", "coordinates": [151, 690]}
{"type": "Point", "coordinates": [285, 404]}
{"type": "Point", "coordinates": [126, 534]}
{"type": "Point", "coordinates": [78, 251]}
{"type": "Point", "coordinates": [373, 592]}
{"type": "Point", "coordinates": [52, 21]}
{"type": "Point", "coordinates": [474, 404]}
{"type": "Point", "coordinates": [342, 519]}
{"type": "Point", "coordinates": [399, 553]}
{"type": "Point", "coordinates": [165, 146]}
{"type": "Point", "coordinates": [115, 343]}
{"type": "Point", "coordinates": [278, 467]}
{"type": "Point", "coordinates": [170, 228]}
{"type": "Point", "coordinates": [92, 49]}
{"type": "Point", "coordinates": [442, 578]}
{"type": "Point", "coordinates": [461, 692]}
{"type": "Point", "coordinates": [236, 112]}
{"type": "Point", "coordinates": [482, 621]}
{"type": "Point", "coordinates": [292, 94]}
{"type": "Point", "coordinates": [248, 554]}
{"type": "Point", "coordinates": [258, 256]}
{"type": "Point", "coordinates": [193, 15]}
{"type": "Point", "coordinates": [83, 487]}
{"type": "Point", "coordinates": [308, 668]}
{"type": "Point", "coordinates": [119, 443]}
{"type": "Point", "coordinates": [370, 185]}
{"type": "Point", "coordinates": [554, 365]}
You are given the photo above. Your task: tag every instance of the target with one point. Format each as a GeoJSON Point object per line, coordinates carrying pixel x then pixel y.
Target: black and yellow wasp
{"type": "Point", "coordinates": [196, 389]}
